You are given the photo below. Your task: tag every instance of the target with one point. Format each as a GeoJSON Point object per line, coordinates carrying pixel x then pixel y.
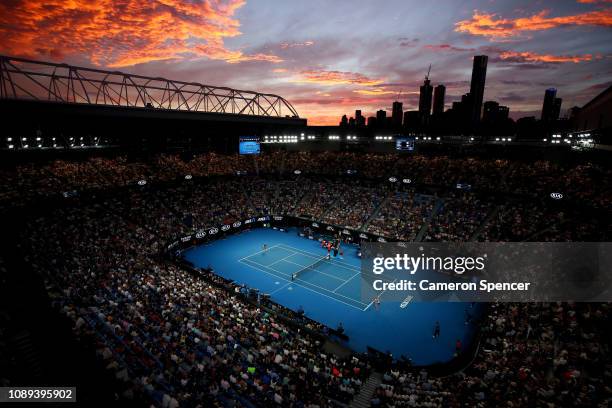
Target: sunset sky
{"type": "Point", "coordinates": [331, 57]}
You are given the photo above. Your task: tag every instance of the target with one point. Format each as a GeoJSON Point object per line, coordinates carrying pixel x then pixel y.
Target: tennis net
{"type": "Point", "coordinates": [310, 267]}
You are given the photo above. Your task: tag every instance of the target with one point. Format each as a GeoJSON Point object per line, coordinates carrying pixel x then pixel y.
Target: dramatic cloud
{"type": "Point", "coordinates": [122, 33]}
{"type": "Point", "coordinates": [328, 60]}
{"type": "Point", "coordinates": [497, 28]}
{"type": "Point", "coordinates": [335, 78]}
{"type": "Point", "coordinates": [533, 57]}
{"type": "Point", "coordinates": [375, 91]}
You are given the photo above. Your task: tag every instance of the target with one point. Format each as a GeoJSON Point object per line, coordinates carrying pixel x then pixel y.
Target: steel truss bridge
{"type": "Point", "coordinates": [24, 79]}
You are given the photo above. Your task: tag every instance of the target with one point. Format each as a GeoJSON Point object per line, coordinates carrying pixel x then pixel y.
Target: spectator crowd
{"type": "Point", "coordinates": [176, 339]}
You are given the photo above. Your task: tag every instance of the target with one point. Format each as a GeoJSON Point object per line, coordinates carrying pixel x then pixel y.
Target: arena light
{"type": "Point", "coordinates": [38, 139]}
{"type": "Point", "coordinates": [142, 182]}
{"type": "Point", "coordinates": [406, 181]}
{"type": "Point", "coordinates": [545, 140]}
{"type": "Point", "coordinates": [298, 172]}
{"type": "Point", "coordinates": [438, 138]}
{"type": "Point", "coordinates": [188, 177]}
{"type": "Point", "coordinates": [11, 146]}
{"type": "Point", "coordinates": [392, 179]}
{"type": "Point", "coordinates": [23, 139]}
{"type": "Point", "coordinates": [9, 139]}
{"type": "Point", "coordinates": [25, 146]}
{"type": "Point", "coordinates": [497, 139]}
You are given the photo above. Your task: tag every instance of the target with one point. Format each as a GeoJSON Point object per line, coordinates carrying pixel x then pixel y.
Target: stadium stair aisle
{"type": "Point", "coordinates": [364, 226]}
{"type": "Point", "coordinates": [490, 217]}
{"type": "Point", "coordinates": [437, 207]}
{"type": "Point", "coordinates": [362, 400]}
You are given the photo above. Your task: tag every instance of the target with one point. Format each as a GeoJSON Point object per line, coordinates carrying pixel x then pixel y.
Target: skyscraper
{"type": "Point", "coordinates": [503, 112]}
{"type": "Point", "coordinates": [381, 118]}
{"type": "Point", "coordinates": [556, 108]}
{"type": "Point", "coordinates": [344, 121]}
{"type": "Point", "coordinates": [360, 120]}
{"type": "Point", "coordinates": [490, 111]}
{"type": "Point", "coordinates": [438, 99]}
{"type": "Point", "coordinates": [396, 114]}
{"type": "Point", "coordinates": [477, 86]}
{"type": "Point", "coordinates": [548, 105]}
{"type": "Point", "coordinates": [425, 100]}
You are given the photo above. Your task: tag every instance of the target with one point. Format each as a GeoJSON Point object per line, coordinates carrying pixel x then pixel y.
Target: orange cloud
{"type": "Point", "coordinates": [335, 78]}
{"type": "Point", "coordinates": [497, 28]}
{"type": "Point", "coordinates": [374, 91]}
{"type": "Point", "coordinates": [533, 57]}
{"type": "Point", "coordinates": [117, 34]}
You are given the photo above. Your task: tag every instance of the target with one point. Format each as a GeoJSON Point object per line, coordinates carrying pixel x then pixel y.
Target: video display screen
{"type": "Point", "coordinates": [404, 143]}
{"type": "Point", "coordinates": [249, 145]}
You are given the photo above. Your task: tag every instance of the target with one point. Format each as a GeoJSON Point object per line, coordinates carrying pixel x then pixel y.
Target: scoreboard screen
{"type": "Point", "coordinates": [404, 143]}
{"type": "Point", "coordinates": [249, 145]}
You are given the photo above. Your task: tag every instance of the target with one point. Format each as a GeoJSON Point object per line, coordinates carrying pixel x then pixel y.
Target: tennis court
{"type": "Point", "coordinates": [330, 291]}
{"type": "Point", "coordinates": [332, 278]}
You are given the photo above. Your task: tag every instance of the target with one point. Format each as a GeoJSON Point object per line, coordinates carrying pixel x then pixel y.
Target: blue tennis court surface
{"type": "Point", "coordinates": [330, 291]}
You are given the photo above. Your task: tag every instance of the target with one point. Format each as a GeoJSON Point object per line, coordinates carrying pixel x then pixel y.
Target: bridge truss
{"type": "Point", "coordinates": [46, 81]}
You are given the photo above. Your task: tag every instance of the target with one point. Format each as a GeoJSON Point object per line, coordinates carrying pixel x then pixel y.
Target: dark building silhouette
{"type": "Point", "coordinates": [351, 122]}
{"type": "Point", "coordinates": [396, 114]}
{"type": "Point", "coordinates": [477, 86]}
{"type": "Point", "coordinates": [381, 118]}
{"type": "Point", "coordinates": [438, 100]}
{"type": "Point", "coordinates": [372, 122]}
{"type": "Point", "coordinates": [551, 106]}
{"type": "Point", "coordinates": [344, 121]}
{"type": "Point", "coordinates": [556, 111]}
{"type": "Point", "coordinates": [412, 120]}
{"type": "Point", "coordinates": [360, 120]}
{"type": "Point", "coordinates": [503, 112]}
{"type": "Point", "coordinates": [595, 115]}
{"type": "Point", "coordinates": [425, 100]}
{"type": "Point", "coordinates": [490, 112]}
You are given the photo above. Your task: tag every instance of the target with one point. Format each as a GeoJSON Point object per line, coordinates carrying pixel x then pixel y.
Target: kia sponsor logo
{"type": "Point", "coordinates": [556, 196]}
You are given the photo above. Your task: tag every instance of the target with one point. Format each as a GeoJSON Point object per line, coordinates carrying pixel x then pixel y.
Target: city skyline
{"type": "Point", "coordinates": [359, 56]}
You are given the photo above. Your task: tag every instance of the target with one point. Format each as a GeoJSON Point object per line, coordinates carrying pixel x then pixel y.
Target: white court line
{"type": "Point", "coordinates": [380, 294]}
{"type": "Point", "coordinates": [347, 281]}
{"type": "Point", "coordinates": [259, 252]}
{"type": "Point", "coordinates": [315, 270]}
{"type": "Point", "coordinates": [336, 262]}
{"type": "Point", "coordinates": [282, 259]}
{"type": "Point", "coordinates": [312, 284]}
{"type": "Point", "coordinates": [302, 286]}
{"type": "Point", "coordinates": [281, 288]}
